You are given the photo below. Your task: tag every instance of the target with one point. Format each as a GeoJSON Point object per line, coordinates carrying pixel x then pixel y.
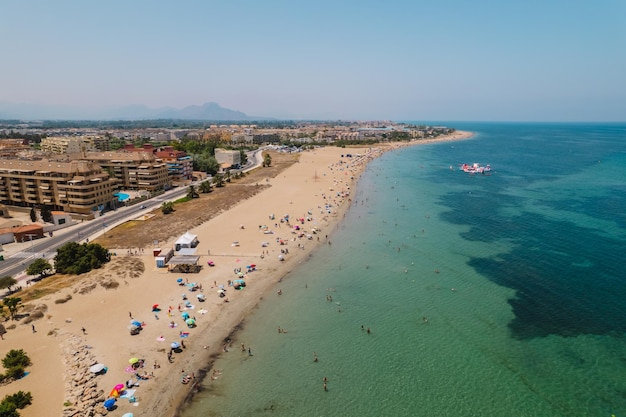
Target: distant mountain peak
{"type": "Point", "coordinates": [208, 111]}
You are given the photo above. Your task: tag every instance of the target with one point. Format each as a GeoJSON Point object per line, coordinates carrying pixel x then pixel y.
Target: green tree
{"type": "Point", "coordinates": [191, 192]}
{"type": "Point", "coordinates": [7, 281]}
{"type": "Point", "coordinates": [213, 166]}
{"type": "Point", "coordinates": [267, 160]}
{"type": "Point", "coordinates": [33, 215]}
{"type": "Point", "coordinates": [12, 304]}
{"type": "Point", "coordinates": [167, 207]}
{"type": "Point", "coordinates": [46, 214]}
{"type": "Point", "coordinates": [243, 156]}
{"type": "Point", "coordinates": [16, 357]}
{"type": "Point", "coordinates": [205, 187]}
{"type": "Point", "coordinates": [39, 267]}
{"type": "Point", "coordinates": [73, 258]}
{"type": "Point", "coordinates": [227, 176]}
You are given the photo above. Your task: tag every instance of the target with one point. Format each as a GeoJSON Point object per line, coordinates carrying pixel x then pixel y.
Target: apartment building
{"type": "Point", "coordinates": [133, 170]}
{"type": "Point", "coordinates": [67, 144]}
{"type": "Point", "coordinates": [179, 164]}
{"type": "Point", "coordinates": [76, 187]}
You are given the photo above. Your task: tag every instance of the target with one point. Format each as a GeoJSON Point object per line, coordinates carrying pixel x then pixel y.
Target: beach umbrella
{"type": "Point", "coordinates": [185, 315]}
{"type": "Point", "coordinates": [175, 345]}
{"type": "Point", "coordinates": [99, 367]}
{"type": "Point", "coordinates": [190, 322]}
{"type": "Point", "coordinates": [132, 361]}
{"type": "Point", "coordinates": [109, 403]}
{"type": "Point", "coordinates": [128, 415]}
{"type": "Point", "coordinates": [119, 387]}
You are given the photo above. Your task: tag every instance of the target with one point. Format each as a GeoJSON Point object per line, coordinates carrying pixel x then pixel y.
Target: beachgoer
{"type": "Point", "coordinates": [83, 330]}
{"type": "Point", "coordinates": [249, 352]}
{"type": "Point", "coordinates": [243, 347]}
{"type": "Point", "coordinates": [34, 331]}
{"type": "Point", "coordinates": [368, 330]}
{"type": "Point", "coordinates": [325, 387]}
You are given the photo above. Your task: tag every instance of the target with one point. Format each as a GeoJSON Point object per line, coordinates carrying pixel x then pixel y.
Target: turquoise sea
{"type": "Point", "coordinates": [485, 295]}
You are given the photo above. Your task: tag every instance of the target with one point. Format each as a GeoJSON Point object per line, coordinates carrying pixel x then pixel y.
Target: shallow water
{"type": "Point", "coordinates": [485, 295]}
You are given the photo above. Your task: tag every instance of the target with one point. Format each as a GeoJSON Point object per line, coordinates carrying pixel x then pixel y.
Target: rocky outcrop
{"type": "Point", "coordinates": [83, 397]}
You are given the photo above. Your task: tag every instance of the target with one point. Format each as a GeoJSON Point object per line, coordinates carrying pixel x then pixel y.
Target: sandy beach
{"type": "Point", "coordinates": [275, 230]}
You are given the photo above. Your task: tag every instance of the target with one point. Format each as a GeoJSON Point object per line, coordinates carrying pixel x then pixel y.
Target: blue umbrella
{"type": "Point", "coordinates": [179, 280]}
{"type": "Point", "coordinates": [109, 403]}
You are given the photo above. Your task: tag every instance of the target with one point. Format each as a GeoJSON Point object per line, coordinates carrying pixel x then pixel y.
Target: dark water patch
{"type": "Point", "coordinates": [567, 279]}
{"type": "Point", "coordinates": [610, 207]}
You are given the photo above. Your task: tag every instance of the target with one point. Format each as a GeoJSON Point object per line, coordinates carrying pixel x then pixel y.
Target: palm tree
{"type": "Point", "coordinates": [218, 180]}
{"type": "Point", "coordinates": [206, 187]}
{"type": "Point", "coordinates": [192, 193]}
{"type": "Point", "coordinates": [267, 160]}
{"type": "Point", "coordinates": [167, 207]}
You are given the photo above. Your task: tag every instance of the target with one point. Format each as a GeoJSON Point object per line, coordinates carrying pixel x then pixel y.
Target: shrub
{"type": "Point", "coordinates": [21, 399]}
{"type": "Point", "coordinates": [14, 372]}
{"type": "Point", "coordinates": [16, 357]}
{"type": "Point", "coordinates": [8, 410]}
{"type": "Point", "coordinates": [63, 300]}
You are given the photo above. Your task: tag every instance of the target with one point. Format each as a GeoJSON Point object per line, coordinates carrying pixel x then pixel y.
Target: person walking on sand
{"type": "Point", "coordinates": [34, 331]}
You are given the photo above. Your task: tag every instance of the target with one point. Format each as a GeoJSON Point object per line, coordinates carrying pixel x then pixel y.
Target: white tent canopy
{"type": "Point", "coordinates": [188, 240]}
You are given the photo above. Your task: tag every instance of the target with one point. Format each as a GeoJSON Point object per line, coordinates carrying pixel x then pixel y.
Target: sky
{"type": "Point", "coordinates": [531, 60]}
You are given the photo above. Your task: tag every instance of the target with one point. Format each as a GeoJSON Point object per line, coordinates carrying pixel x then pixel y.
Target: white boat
{"type": "Point", "coordinates": [475, 168]}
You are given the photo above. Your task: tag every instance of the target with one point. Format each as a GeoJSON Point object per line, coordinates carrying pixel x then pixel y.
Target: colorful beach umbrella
{"type": "Point", "coordinates": [132, 361]}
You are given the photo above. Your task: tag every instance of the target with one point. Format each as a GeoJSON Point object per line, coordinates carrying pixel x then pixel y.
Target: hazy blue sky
{"type": "Point", "coordinates": [403, 60]}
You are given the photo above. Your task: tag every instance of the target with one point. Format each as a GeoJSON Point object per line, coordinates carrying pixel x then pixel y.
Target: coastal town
{"type": "Point", "coordinates": [276, 208]}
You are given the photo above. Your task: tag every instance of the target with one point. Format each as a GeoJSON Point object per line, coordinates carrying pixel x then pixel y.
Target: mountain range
{"type": "Point", "coordinates": [206, 111]}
